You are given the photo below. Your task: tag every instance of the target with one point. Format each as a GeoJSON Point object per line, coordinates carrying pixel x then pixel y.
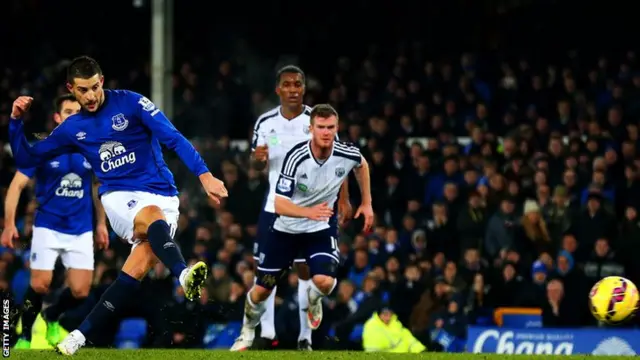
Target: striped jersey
{"type": "Point", "coordinates": [307, 181]}
{"type": "Point", "coordinates": [280, 135]}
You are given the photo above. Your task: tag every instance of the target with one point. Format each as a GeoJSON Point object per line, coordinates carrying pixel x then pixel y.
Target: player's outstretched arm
{"type": "Point", "coordinates": [26, 155]}
{"type": "Point", "coordinates": [364, 181]}
{"type": "Point", "coordinates": [155, 120]}
{"type": "Point", "coordinates": [10, 233]}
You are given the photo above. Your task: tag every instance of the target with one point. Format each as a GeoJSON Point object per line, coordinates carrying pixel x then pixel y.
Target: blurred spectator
{"type": "Point", "coordinates": [558, 311]}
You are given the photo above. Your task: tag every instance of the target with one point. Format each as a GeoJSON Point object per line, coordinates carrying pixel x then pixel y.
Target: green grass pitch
{"type": "Point", "coordinates": [99, 354]}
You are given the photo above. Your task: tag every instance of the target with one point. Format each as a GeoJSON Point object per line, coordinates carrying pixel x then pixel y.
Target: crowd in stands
{"type": "Point", "coordinates": [495, 184]}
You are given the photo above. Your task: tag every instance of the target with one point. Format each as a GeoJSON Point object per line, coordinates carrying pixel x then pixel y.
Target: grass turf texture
{"type": "Point", "coordinates": [99, 354]}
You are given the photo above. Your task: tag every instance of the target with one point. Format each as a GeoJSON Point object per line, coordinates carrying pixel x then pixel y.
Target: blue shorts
{"type": "Point", "coordinates": [265, 223]}
{"type": "Point", "coordinates": [318, 249]}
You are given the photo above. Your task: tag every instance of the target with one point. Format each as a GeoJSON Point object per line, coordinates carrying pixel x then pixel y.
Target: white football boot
{"type": "Point", "coordinates": [71, 344]}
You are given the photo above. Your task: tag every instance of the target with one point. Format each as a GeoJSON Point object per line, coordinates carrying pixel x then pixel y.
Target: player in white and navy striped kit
{"type": "Point", "coordinates": [274, 134]}
{"type": "Point", "coordinates": [306, 192]}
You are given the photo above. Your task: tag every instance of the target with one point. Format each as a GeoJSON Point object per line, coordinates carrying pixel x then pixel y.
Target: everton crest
{"type": "Point", "coordinates": [340, 172]}
{"type": "Point", "coordinates": [119, 122]}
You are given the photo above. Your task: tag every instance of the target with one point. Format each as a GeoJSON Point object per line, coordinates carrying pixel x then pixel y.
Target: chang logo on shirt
{"type": "Point", "coordinates": [114, 155]}
{"type": "Point", "coordinates": [70, 186]}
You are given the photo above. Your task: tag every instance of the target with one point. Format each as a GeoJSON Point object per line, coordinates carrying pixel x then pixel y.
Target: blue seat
{"type": "Point", "coordinates": [484, 321]}
{"type": "Point", "coordinates": [356, 334]}
{"type": "Point", "coordinates": [131, 334]}
{"type": "Point", "coordinates": [211, 335]}
{"type": "Point", "coordinates": [221, 336]}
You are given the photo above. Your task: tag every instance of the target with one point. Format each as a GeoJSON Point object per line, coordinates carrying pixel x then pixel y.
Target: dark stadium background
{"type": "Point", "coordinates": [255, 38]}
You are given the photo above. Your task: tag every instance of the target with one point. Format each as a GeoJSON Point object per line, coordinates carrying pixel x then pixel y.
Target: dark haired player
{"type": "Point", "coordinates": [63, 227]}
{"type": "Point", "coordinates": [119, 132]}
{"type": "Point", "coordinates": [275, 133]}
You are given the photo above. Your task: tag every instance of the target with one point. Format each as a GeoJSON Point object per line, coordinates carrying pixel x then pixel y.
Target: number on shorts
{"type": "Point", "coordinates": [172, 230]}
{"type": "Point", "coordinates": [334, 246]}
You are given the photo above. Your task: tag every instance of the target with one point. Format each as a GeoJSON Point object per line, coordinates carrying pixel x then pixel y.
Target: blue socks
{"type": "Point", "coordinates": [163, 246]}
{"type": "Point", "coordinates": [65, 301]}
{"type": "Point", "coordinates": [116, 296]}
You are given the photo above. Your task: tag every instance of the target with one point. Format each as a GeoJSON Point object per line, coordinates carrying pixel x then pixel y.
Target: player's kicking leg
{"type": "Point", "coordinates": [304, 337]}
{"type": "Point", "coordinates": [150, 223]}
{"type": "Point", "coordinates": [276, 255]}
{"type": "Point", "coordinates": [155, 219]}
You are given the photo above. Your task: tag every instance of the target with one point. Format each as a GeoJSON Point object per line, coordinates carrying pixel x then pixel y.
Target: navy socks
{"type": "Point", "coordinates": [65, 301]}
{"type": "Point", "coordinates": [31, 307]}
{"type": "Point", "coordinates": [163, 246]}
{"type": "Point", "coordinates": [114, 298]}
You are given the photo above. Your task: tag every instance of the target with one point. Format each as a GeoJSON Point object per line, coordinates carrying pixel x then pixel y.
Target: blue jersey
{"type": "Point", "coordinates": [121, 141]}
{"type": "Point", "coordinates": [63, 191]}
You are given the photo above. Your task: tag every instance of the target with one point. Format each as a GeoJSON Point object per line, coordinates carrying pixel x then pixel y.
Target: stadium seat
{"type": "Point", "coordinates": [518, 317]}
{"type": "Point", "coordinates": [356, 334]}
{"type": "Point", "coordinates": [131, 334]}
{"type": "Point", "coordinates": [485, 317]}
{"type": "Point", "coordinates": [484, 320]}
{"type": "Point", "coordinates": [221, 336]}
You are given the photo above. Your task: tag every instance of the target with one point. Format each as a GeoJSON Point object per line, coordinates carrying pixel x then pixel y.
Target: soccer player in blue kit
{"type": "Point", "coordinates": [119, 132]}
{"type": "Point", "coordinates": [63, 227]}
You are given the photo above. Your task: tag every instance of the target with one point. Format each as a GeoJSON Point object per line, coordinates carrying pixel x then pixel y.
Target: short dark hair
{"type": "Point", "coordinates": [323, 111]}
{"type": "Point", "coordinates": [57, 103]}
{"type": "Point", "coordinates": [82, 67]}
{"type": "Point", "coordinates": [289, 69]}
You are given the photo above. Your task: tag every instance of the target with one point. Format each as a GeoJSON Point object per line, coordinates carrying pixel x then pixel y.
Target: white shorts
{"type": "Point", "coordinates": [76, 251]}
{"type": "Point", "coordinates": [122, 207]}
